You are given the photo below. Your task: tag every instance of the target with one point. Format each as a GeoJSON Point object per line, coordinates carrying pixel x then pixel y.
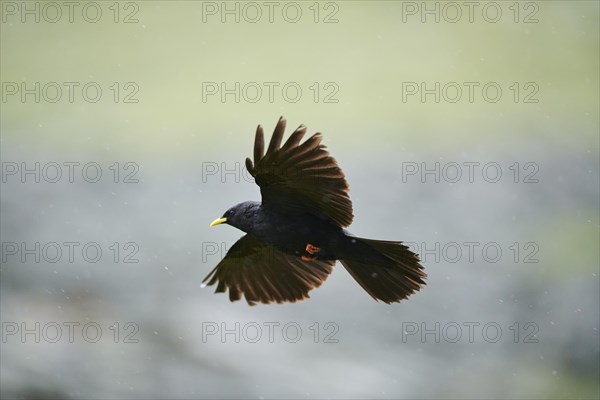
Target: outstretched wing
{"type": "Point", "coordinates": [300, 178]}
{"type": "Point", "coordinates": [264, 274]}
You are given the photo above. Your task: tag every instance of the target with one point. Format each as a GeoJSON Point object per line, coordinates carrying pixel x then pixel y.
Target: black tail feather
{"type": "Point", "coordinates": [388, 271]}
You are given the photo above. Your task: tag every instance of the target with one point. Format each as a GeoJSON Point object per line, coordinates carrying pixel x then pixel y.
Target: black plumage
{"type": "Point", "coordinates": [294, 237]}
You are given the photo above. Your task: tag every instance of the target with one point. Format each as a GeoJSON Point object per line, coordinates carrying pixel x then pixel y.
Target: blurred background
{"type": "Point", "coordinates": [124, 127]}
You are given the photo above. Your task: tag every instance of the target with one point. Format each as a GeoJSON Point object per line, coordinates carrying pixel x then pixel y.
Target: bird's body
{"type": "Point", "coordinates": [274, 228]}
{"type": "Point", "coordinates": [295, 235]}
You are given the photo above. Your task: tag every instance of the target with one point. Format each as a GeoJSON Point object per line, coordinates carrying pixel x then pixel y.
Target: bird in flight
{"type": "Point", "coordinates": [296, 234]}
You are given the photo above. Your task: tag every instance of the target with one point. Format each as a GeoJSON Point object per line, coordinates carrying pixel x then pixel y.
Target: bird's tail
{"type": "Point", "coordinates": [388, 271]}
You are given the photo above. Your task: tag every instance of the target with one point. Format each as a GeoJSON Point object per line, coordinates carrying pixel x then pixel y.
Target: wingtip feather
{"type": "Point", "coordinates": [250, 166]}
{"type": "Point", "coordinates": [275, 142]}
{"type": "Point", "coordinates": [259, 144]}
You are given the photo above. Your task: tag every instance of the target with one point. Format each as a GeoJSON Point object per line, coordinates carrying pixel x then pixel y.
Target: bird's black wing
{"type": "Point", "coordinates": [264, 274]}
{"type": "Point", "coordinates": [300, 178]}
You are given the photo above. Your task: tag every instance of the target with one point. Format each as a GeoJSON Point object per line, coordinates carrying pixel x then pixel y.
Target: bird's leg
{"type": "Point", "coordinates": [310, 249]}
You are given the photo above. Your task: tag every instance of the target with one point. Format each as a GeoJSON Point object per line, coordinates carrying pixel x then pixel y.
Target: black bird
{"type": "Point", "coordinates": [294, 237]}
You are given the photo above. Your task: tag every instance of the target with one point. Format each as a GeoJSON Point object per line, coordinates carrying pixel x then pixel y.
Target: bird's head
{"type": "Point", "coordinates": [240, 216]}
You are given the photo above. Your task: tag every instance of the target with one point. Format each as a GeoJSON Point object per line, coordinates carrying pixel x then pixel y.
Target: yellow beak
{"type": "Point", "coordinates": [218, 221]}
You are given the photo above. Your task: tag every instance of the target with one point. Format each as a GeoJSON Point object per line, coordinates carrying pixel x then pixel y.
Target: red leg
{"type": "Point", "coordinates": [310, 249]}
